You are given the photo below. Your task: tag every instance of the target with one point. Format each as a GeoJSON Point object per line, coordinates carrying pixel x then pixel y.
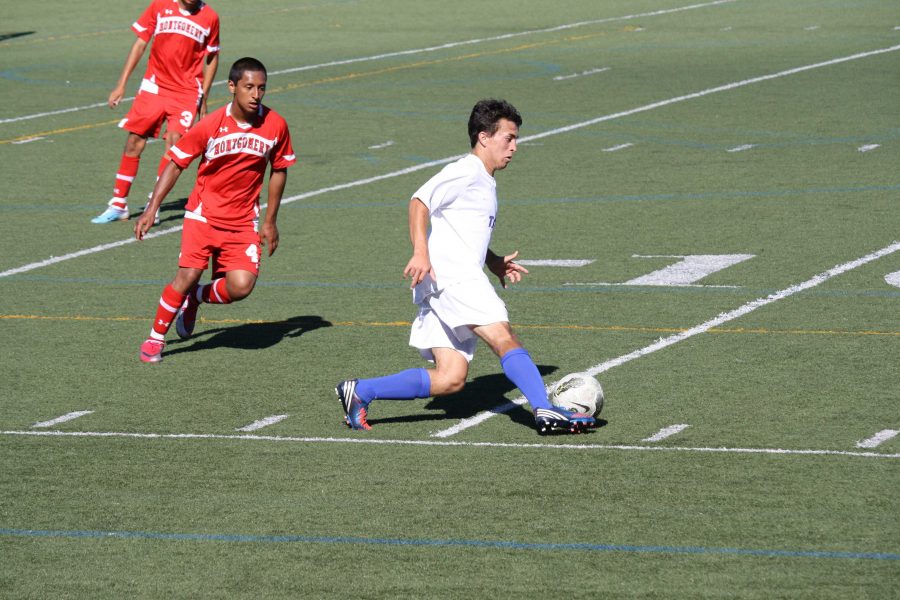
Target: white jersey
{"type": "Point", "coordinates": [462, 204]}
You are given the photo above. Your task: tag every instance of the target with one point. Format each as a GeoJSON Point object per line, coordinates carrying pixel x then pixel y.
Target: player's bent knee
{"type": "Point", "coordinates": [441, 386]}
{"type": "Point", "coordinates": [239, 284]}
{"type": "Point", "coordinates": [455, 384]}
{"type": "Point", "coordinates": [239, 292]}
{"type": "Point", "coordinates": [447, 381]}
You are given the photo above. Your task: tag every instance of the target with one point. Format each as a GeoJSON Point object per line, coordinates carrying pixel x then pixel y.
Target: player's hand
{"type": "Point", "coordinates": [115, 97]}
{"type": "Point", "coordinates": [417, 268]}
{"type": "Point", "coordinates": [268, 236]}
{"type": "Point", "coordinates": [144, 223]}
{"type": "Point", "coordinates": [504, 268]}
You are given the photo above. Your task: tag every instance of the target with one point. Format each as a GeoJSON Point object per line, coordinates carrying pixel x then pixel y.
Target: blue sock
{"type": "Point", "coordinates": [405, 385]}
{"type": "Point", "coordinates": [521, 370]}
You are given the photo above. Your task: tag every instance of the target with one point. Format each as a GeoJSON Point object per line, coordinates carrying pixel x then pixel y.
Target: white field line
{"type": "Point", "coordinates": [617, 148]}
{"type": "Point", "coordinates": [434, 163]}
{"type": "Point", "coordinates": [265, 422]}
{"type": "Point", "coordinates": [443, 443]}
{"type": "Point", "coordinates": [741, 148]}
{"type": "Point", "coordinates": [666, 432]}
{"type": "Point", "coordinates": [868, 147]}
{"type": "Point", "coordinates": [690, 269]}
{"type": "Point", "coordinates": [582, 74]}
{"type": "Point", "coordinates": [375, 57]}
{"type": "Point", "coordinates": [620, 284]}
{"type": "Point", "coordinates": [57, 259]}
{"type": "Point", "coordinates": [713, 90]}
{"type": "Point", "coordinates": [66, 417]}
{"type": "Point", "coordinates": [60, 111]}
{"type": "Point", "coordinates": [386, 144]}
{"type": "Point", "coordinates": [689, 333]}
{"type": "Point", "coordinates": [29, 140]}
{"type": "Point", "coordinates": [878, 439]}
{"type": "Point", "coordinates": [550, 262]}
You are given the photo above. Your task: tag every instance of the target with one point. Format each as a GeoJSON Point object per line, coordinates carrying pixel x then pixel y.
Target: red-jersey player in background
{"type": "Point", "coordinates": [221, 223]}
{"type": "Point", "coordinates": [184, 57]}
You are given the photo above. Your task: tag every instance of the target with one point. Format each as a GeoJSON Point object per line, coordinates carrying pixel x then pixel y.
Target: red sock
{"type": "Point", "coordinates": [215, 292]}
{"type": "Point", "coordinates": [128, 168]}
{"type": "Point", "coordinates": [169, 303]}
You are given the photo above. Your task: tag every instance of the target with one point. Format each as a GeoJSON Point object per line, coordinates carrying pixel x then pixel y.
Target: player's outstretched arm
{"type": "Point", "coordinates": [504, 267]}
{"type": "Point", "coordinates": [420, 264]}
{"type": "Point", "coordinates": [134, 57]}
{"type": "Point", "coordinates": [268, 232]}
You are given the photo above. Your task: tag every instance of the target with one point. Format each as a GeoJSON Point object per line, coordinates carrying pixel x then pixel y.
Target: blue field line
{"type": "Point", "coordinates": [499, 544]}
{"type": "Point", "coordinates": [665, 196]}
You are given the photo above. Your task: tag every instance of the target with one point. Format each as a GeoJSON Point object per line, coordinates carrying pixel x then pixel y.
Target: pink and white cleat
{"type": "Point", "coordinates": [151, 350]}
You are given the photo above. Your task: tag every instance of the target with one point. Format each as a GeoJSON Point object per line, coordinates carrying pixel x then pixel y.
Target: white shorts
{"type": "Point", "coordinates": [446, 318]}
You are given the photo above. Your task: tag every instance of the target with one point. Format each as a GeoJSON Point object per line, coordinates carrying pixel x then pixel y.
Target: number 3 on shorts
{"type": "Point", "coordinates": [253, 252]}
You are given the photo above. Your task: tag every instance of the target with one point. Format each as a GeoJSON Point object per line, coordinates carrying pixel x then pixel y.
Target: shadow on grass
{"type": "Point", "coordinates": [172, 210]}
{"type": "Point", "coordinates": [250, 336]}
{"type": "Point", "coordinates": [8, 35]}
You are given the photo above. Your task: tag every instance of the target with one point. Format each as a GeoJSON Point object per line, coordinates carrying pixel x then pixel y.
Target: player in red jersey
{"type": "Point", "coordinates": [184, 57]}
{"type": "Point", "coordinates": [221, 223]}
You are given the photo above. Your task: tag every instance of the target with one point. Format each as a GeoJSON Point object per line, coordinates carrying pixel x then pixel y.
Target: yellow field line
{"type": "Point", "coordinates": [558, 327]}
{"type": "Point", "coordinates": [335, 79]}
{"type": "Point", "coordinates": [415, 65]}
{"type": "Point", "coordinates": [29, 136]}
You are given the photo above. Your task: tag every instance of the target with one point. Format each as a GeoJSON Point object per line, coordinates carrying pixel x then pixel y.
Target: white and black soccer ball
{"type": "Point", "coordinates": [578, 392]}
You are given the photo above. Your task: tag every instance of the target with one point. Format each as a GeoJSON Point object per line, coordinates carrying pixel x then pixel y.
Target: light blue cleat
{"type": "Point", "coordinates": [111, 214]}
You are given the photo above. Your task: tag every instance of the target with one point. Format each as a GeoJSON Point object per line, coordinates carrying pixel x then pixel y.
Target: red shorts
{"type": "Point", "coordinates": [150, 111]}
{"type": "Point", "coordinates": [228, 250]}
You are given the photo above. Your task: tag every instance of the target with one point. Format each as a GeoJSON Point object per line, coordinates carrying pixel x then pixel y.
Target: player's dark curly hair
{"type": "Point", "coordinates": [242, 65]}
{"type": "Point", "coordinates": [486, 115]}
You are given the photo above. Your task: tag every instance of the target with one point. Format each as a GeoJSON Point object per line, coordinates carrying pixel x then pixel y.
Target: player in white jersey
{"type": "Point", "coordinates": [456, 301]}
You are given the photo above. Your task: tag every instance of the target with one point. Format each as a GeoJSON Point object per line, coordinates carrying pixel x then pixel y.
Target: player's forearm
{"type": "Point", "coordinates": [277, 182]}
{"type": "Point", "coordinates": [163, 186]}
{"type": "Point", "coordinates": [418, 226]}
{"type": "Point", "coordinates": [209, 73]}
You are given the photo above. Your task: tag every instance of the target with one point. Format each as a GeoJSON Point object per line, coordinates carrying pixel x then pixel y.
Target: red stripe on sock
{"type": "Point", "coordinates": [128, 167]}
{"type": "Point", "coordinates": [216, 292]}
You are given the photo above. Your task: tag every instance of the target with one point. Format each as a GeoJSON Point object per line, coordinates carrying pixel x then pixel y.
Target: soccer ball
{"type": "Point", "coordinates": [579, 392]}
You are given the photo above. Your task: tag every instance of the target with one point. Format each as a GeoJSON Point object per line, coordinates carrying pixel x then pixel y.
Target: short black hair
{"type": "Point", "coordinates": [243, 65]}
{"type": "Point", "coordinates": [486, 115]}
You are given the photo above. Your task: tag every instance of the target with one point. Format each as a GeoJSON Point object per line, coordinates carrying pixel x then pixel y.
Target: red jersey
{"type": "Point", "coordinates": [181, 41]}
{"type": "Point", "coordinates": [233, 166]}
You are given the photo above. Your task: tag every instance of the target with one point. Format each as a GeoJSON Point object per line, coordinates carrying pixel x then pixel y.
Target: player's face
{"type": "Point", "coordinates": [248, 94]}
{"type": "Point", "coordinates": [500, 147]}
